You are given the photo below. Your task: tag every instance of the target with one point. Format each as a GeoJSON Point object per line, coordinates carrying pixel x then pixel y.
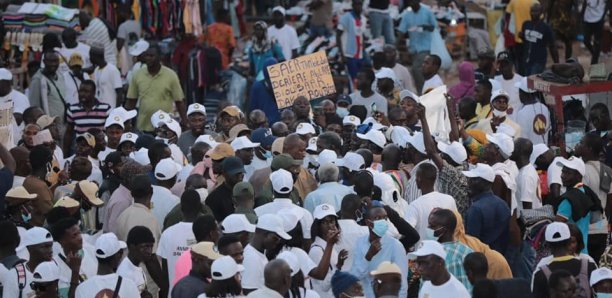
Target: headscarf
{"type": "Point", "coordinates": [466, 82]}
{"type": "Point", "coordinates": [498, 266]}
{"type": "Point", "coordinates": [263, 45]}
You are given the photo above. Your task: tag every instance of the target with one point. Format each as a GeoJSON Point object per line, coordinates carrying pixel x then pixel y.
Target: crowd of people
{"type": "Point", "coordinates": [116, 184]}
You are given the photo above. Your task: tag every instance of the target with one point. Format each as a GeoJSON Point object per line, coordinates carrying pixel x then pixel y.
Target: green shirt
{"type": "Point", "coordinates": [175, 215]}
{"type": "Point", "coordinates": [249, 213]}
{"type": "Point", "coordinates": [154, 93]}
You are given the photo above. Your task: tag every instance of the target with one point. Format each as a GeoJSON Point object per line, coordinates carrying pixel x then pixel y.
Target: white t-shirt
{"type": "Point", "coordinates": [71, 87]}
{"type": "Point", "coordinates": [433, 83]}
{"type": "Point", "coordinates": [174, 241]}
{"type": "Point", "coordinates": [81, 48]}
{"type": "Point", "coordinates": [104, 286]}
{"type": "Point", "coordinates": [20, 101]}
{"type": "Point", "coordinates": [162, 203]}
{"type": "Point", "coordinates": [553, 174]}
{"type": "Point", "coordinates": [453, 286]}
{"type": "Point", "coordinates": [379, 100]}
{"type": "Point", "coordinates": [594, 11]}
{"type": "Point", "coordinates": [89, 266]}
{"type": "Point", "coordinates": [306, 263]}
{"type": "Point", "coordinates": [279, 204]}
{"type": "Point", "coordinates": [287, 39]}
{"type": "Point", "coordinates": [107, 80]}
{"type": "Point", "coordinates": [417, 212]}
{"type": "Point", "coordinates": [323, 287]}
{"type": "Point", "coordinates": [513, 92]}
{"type": "Point", "coordinates": [10, 283]}
{"type": "Point", "coordinates": [535, 120]}
{"type": "Point", "coordinates": [254, 264]}
{"type": "Point", "coordinates": [528, 186]}
{"type": "Point", "coordinates": [128, 270]}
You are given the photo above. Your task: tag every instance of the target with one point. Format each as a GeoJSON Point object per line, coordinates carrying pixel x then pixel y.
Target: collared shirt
{"type": "Point", "coordinates": [120, 200]}
{"type": "Point", "coordinates": [452, 182]}
{"type": "Point", "coordinates": [420, 40]}
{"type": "Point", "coordinates": [137, 215]}
{"type": "Point", "coordinates": [220, 202]}
{"type": "Point", "coordinates": [487, 220]}
{"type": "Point", "coordinates": [350, 231]}
{"type": "Point", "coordinates": [391, 250]}
{"type": "Point", "coordinates": [327, 193]}
{"type": "Point", "coordinates": [264, 292]}
{"type": "Point", "coordinates": [282, 203]}
{"type": "Point", "coordinates": [191, 285]}
{"type": "Point", "coordinates": [455, 254]}
{"type": "Point", "coordinates": [158, 92]}
{"type": "Point", "coordinates": [162, 202]}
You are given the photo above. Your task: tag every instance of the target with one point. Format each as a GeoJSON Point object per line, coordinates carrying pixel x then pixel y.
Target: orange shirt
{"type": "Point", "coordinates": [221, 36]}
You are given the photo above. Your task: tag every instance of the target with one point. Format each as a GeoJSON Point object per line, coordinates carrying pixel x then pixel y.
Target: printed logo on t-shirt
{"type": "Point", "coordinates": [539, 124]}
{"type": "Point", "coordinates": [181, 249]}
{"type": "Point", "coordinates": [533, 36]}
{"type": "Point", "coordinates": [106, 293]}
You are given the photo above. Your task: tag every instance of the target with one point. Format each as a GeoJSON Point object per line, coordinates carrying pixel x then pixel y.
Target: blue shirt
{"type": "Point", "coordinates": [565, 210]}
{"type": "Point", "coordinates": [258, 60]}
{"type": "Point", "coordinates": [455, 254]}
{"type": "Point", "coordinates": [419, 41]}
{"type": "Point", "coordinates": [6, 178]}
{"type": "Point", "coordinates": [262, 98]}
{"type": "Point", "coordinates": [327, 193]}
{"type": "Point", "coordinates": [391, 250]}
{"type": "Point", "coordinates": [487, 220]}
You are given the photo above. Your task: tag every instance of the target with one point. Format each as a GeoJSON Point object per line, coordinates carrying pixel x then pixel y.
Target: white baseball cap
{"type": "Point", "coordinates": [481, 170]}
{"type": "Point", "coordinates": [375, 124]}
{"type": "Point", "coordinates": [272, 223]}
{"type": "Point", "coordinates": [160, 117]}
{"type": "Point", "coordinates": [323, 211]}
{"type": "Point", "coordinates": [574, 163]}
{"type": "Point", "coordinates": [291, 260]}
{"type": "Point", "coordinates": [46, 272]}
{"type": "Point", "coordinates": [386, 73]}
{"type": "Point", "coordinates": [208, 139]}
{"type": "Point", "coordinates": [141, 156]}
{"type": "Point", "coordinates": [243, 142]}
{"type": "Point", "coordinates": [34, 236]}
{"type": "Point", "coordinates": [291, 217]}
{"type": "Point", "coordinates": [107, 245]}
{"type": "Point", "coordinates": [538, 150]}
{"type": "Point", "coordinates": [327, 156]}
{"type": "Point", "coordinates": [305, 128]}
{"type": "Point", "coordinates": [138, 48]}
{"type": "Point", "coordinates": [174, 126]}
{"type": "Point", "coordinates": [5, 75]}
{"type": "Point", "coordinates": [499, 93]}
{"type": "Point", "coordinates": [282, 181]}
{"type": "Point", "coordinates": [225, 267]}
{"type": "Point", "coordinates": [557, 231]}
{"type": "Point", "coordinates": [506, 129]}
{"type": "Point", "coordinates": [374, 136]}
{"type": "Point", "coordinates": [279, 9]}
{"type": "Point", "coordinates": [418, 142]}
{"type": "Point", "coordinates": [400, 136]}
{"type": "Point", "coordinates": [600, 274]}
{"type": "Point", "coordinates": [312, 144]}
{"type": "Point", "coordinates": [522, 84]}
{"type": "Point", "coordinates": [123, 113]}
{"type": "Point", "coordinates": [235, 223]}
{"type": "Point", "coordinates": [407, 93]}
{"type": "Point", "coordinates": [128, 137]}
{"type": "Point", "coordinates": [503, 142]}
{"type": "Point", "coordinates": [196, 108]}
{"type": "Point", "coordinates": [351, 120]}
{"type": "Point", "coordinates": [114, 119]}
{"type": "Point", "coordinates": [386, 267]}
{"type": "Point", "coordinates": [166, 169]}
{"type": "Point", "coordinates": [352, 161]}
{"type": "Point", "coordinates": [428, 247]}
{"type": "Point", "coordinates": [455, 150]}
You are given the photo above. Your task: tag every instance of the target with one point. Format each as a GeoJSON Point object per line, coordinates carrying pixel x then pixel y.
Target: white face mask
{"type": "Point", "coordinates": [499, 114]}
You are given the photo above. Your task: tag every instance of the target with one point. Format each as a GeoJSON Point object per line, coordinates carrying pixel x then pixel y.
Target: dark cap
{"type": "Point", "coordinates": [113, 159]}
{"type": "Point", "coordinates": [486, 52]}
{"type": "Point", "coordinates": [242, 187]}
{"type": "Point", "coordinates": [503, 56]}
{"type": "Point", "coordinates": [283, 161]}
{"type": "Point", "coordinates": [233, 165]}
{"type": "Point", "coordinates": [263, 136]}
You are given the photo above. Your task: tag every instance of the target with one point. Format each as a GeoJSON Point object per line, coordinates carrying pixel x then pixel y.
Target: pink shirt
{"type": "Point", "coordinates": [182, 267]}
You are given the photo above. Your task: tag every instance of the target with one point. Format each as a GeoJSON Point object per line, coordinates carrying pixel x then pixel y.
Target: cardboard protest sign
{"type": "Point", "coordinates": [308, 76]}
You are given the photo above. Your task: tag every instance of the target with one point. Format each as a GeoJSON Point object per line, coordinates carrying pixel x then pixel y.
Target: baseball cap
{"type": "Point", "coordinates": [225, 267]}
{"type": "Point", "coordinates": [263, 136]}
{"type": "Point", "coordinates": [243, 142]}
{"type": "Point", "coordinates": [481, 170]}
{"type": "Point", "coordinates": [46, 272]}
{"type": "Point", "coordinates": [557, 231]}
{"type": "Point", "coordinates": [138, 48]}
{"type": "Point", "coordinates": [235, 223]}
{"type": "Point", "coordinates": [277, 145]}
{"type": "Point", "coordinates": [233, 111]}
{"type": "Point", "coordinates": [208, 139]}
{"type": "Point", "coordinates": [166, 169]}
{"type": "Point", "coordinates": [327, 156]}
{"type": "Point", "coordinates": [236, 130]}
{"type": "Point", "coordinates": [386, 73]}
{"type": "Point", "coordinates": [499, 93]}
{"type": "Point", "coordinates": [283, 161]}
{"type": "Point", "coordinates": [386, 267]}
{"type": "Point", "coordinates": [89, 138]}
{"type": "Point", "coordinates": [351, 120]}
{"type": "Point", "coordinates": [375, 125]}
{"type": "Point", "coordinates": [400, 136]}
{"type": "Point", "coordinates": [417, 141]}
{"type": "Point", "coordinates": [291, 217]}
{"type": "Point", "coordinates": [600, 274]}
{"type": "Point", "coordinates": [506, 129]}
{"type": "Point", "coordinates": [221, 151]}
{"type": "Point", "coordinates": [323, 211]}
{"type": "Point", "coordinates": [5, 74]}
{"type": "Point", "coordinates": [503, 142]}
{"type": "Point", "coordinates": [282, 181]}
{"type": "Point", "coordinates": [486, 52]}
{"type": "Point", "coordinates": [128, 137]}
{"type": "Point", "coordinates": [18, 195]}
{"type": "Point", "coordinates": [574, 163]}
{"type": "Point", "coordinates": [426, 248]}
{"type": "Point", "coordinates": [312, 144]}
{"type": "Point", "coordinates": [67, 202]}
{"type": "Point", "coordinates": [522, 84]}
{"type": "Point", "coordinates": [206, 249]}
{"type": "Point", "coordinates": [75, 59]}
{"type": "Point", "coordinates": [90, 190]}
{"type": "Point", "coordinates": [45, 120]}
{"type": "Point", "coordinates": [503, 56]}
{"type": "Point", "coordinates": [455, 150]}
{"type": "Point", "coordinates": [196, 108]}
{"type": "Point", "coordinates": [242, 187]}
{"type": "Point", "coordinates": [34, 236]}
{"type": "Point", "coordinates": [410, 94]}
{"type": "Point", "coordinates": [107, 245]}
{"type": "Point", "coordinates": [174, 126]}
{"type": "Point", "coordinates": [272, 223]}
{"type": "Point", "coordinates": [304, 129]}
{"type": "Point", "coordinates": [123, 113]}
{"type": "Point", "coordinates": [374, 136]}
{"type": "Point", "coordinates": [279, 9]}
{"type": "Point", "coordinates": [291, 260]}
{"type": "Point", "coordinates": [114, 120]}
{"type": "Point", "coordinates": [538, 150]}
{"type": "Point", "coordinates": [233, 165]}
{"type": "Point", "coordinates": [141, 156]}
{"type": "Point", "coordinates": [352, 161]}
{"type": "Point", "coordinates": [160, 117]}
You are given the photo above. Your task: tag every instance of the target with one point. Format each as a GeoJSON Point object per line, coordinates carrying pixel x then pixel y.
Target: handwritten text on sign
{"type": "Point", "coordinates": [307, 76]}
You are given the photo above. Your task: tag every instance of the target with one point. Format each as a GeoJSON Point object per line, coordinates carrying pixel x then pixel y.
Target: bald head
{"type": "Point", "coordinates": [257, 119]}
{"type": "Point", "coordinates": [522, 150]}
{"type": "Point", "coordinates": [280, 129]}
{"type": "Point", "coordinates": [294, 146]}
{"type": "Point", "coordinates": [277, 275]}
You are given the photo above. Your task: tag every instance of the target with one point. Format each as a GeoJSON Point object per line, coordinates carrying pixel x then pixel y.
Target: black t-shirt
{"type": "Point", "coordinates": [540, 283]}
{"type": "Point", "coordinates": [537, 37]}
{"type": "Point", "coordinates": [512, 288]}
{"type": "Point", "coordinates": [220, 202]}
{"type": "Point", "coordinates": [379, 4]}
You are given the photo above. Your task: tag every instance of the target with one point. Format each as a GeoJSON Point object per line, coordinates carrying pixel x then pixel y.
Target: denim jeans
{"type": "Point", "coordinates": [382, 24]}
{"type": "Point", "coordinates": [521, 260]}
{"type": "Point", "coordinates": [534, 68]}
{"type": "Point", "coordinates": [319, 30]}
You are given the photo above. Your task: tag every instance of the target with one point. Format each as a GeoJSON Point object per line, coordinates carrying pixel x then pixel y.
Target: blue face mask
{"type": "Point", "coordinates": [430, 235]}
{"type": "Point", "coordinates": [26, 218]}
{"type": "Point", "coordinates": [267, 154]}
{"type": "Point", "coordinates": [603, 295]}
{"type": "Point", "coordinates": [380, 227]}
{"type": "Point", "coordinates": [342, 112]}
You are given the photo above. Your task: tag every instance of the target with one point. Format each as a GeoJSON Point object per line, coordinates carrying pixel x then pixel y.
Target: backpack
{"type": "Point", "coordinates": [584, 289]}
{"type": "Point", "coordinates": [17, 263]}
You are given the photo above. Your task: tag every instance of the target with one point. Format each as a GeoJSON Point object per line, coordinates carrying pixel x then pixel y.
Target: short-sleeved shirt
{"type": "Point", "coordinates": [83, 120]}
{"type": "Point", "coordinates": [419, 41]}
{"type": "Point", "coordinates": [521, 10]}
{"type": "Point", "coordinates": [528, 186]}
{"type": "Point", "coordinates": [286, 37]}
{"type": "Point", "coordinates": [455, 254]}
{"type": "Point", "coordinates": [107, 78]}
{"type": "Point", "coordinates": [254, 263]}
{"type": "Point", "coordinates": [173, 243]}
{"type": "Point", "coordinates": [537, 38]}
{"type": "Point", "coordinates": [127, 269]}
{"type": "Point", "coordinates": [154, 92]}
{"type": "Point", "coordinates": [104, 285]}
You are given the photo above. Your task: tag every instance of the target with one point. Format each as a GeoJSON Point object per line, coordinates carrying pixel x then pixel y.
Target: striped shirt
{"type": "Point", "coordinates": [97, 34]}
{"type": "Point", "coordinates": [84, 120]}
{"type": "Point", "coordinates": [455, 254]}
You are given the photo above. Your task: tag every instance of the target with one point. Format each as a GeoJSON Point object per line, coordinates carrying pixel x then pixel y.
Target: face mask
{"type": "Point", "coordinates": [380, 227]}
{"type": "Point", "coordinates": [267, 154]}
{"type": "Point", "coordinates": [603, 295]}
{"type": "Point", "coordinates": [499, 114]}
{"type": "Point", "coordinates": [430, 235]}
{"type": "Point", "coordinates": [26, 218]}
{"type": "Point", "coordinates": [203, 192]}
{"type": "Point", "coordinates": [342, 112]}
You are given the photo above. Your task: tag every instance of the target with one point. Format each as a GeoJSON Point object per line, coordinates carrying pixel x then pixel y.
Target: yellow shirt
{"type": "Point", "coordinates": [154, 93]}
{"type": "Point", "coordinates": [521, 10]}
{"type": "Point", "coordinates": [483, 112]}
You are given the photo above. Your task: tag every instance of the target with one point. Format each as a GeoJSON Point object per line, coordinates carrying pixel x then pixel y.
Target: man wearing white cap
{"type": "Point", "coordinates": [285, 35]}
{"type": "Point", "coordinates": [196, 117]}
{"type": "Point", "coordinates": [330, 191]}
{"type": "Point", "coordinates": [45, 281]}
{"type": "Point", "coordinates": [136, 51]}
{"type": "Point", "coordinates": [497, 154]}
{"type": "Point", "coordinates": [386, 85]}
{"type": "Point", "coordinates": [365, 95]}
{"type": "Point", "coordinates": [109, 251]}
{"type": "Point", "coordinates": [488, 217]}
{"type": "Point", "coordinates": [601, 282]}
{"type": "Point", "coordinates": [244, 150]}
{"type": "Point", "coordinates": [499, 108]}
{"type": "Point", "coordinates": [163, 199]}
{"type": "Point", "coordinates": [439, 283]}
{"type": "Point", "coordinates": [534, 114]}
